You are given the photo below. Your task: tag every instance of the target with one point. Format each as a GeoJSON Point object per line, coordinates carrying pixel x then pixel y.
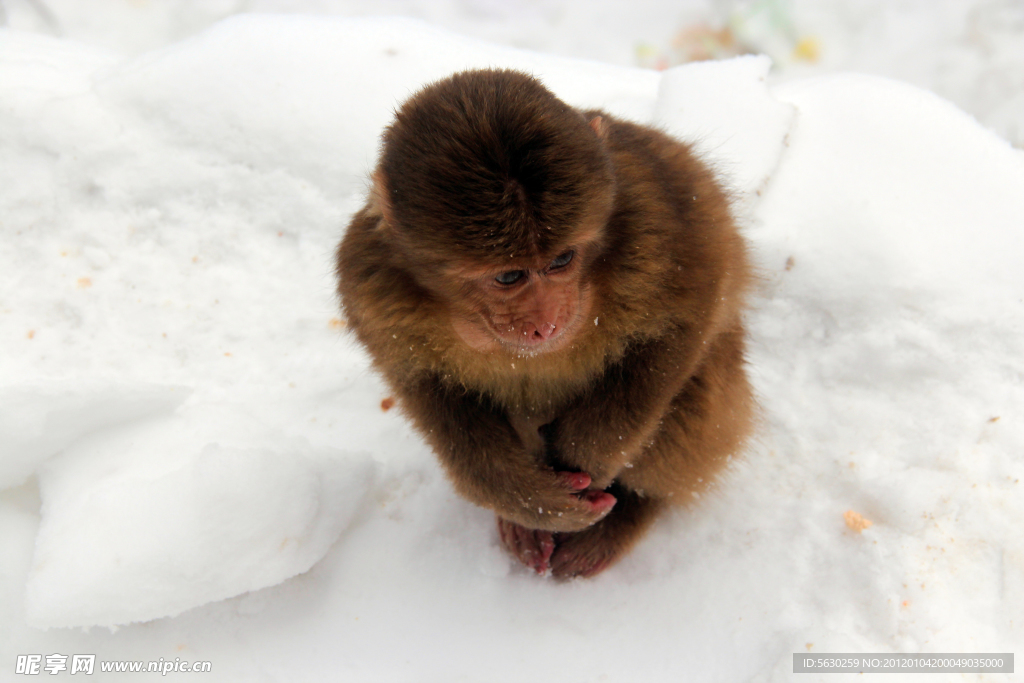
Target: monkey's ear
{"type": "Point", "coordinates": [597, 125]}
{"type": "Point", "coordinates": [379, 198]}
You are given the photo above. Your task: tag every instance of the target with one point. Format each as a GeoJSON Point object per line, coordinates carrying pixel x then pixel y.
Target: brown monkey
{"type": "Point", "coordinates": [555, 297]}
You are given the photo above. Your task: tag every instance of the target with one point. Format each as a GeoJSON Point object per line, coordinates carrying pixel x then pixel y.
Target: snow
{"type": "Point", "coordinates": [39, 420]}
{"type": "Point", "coordinates": [741, 128]}
{"type": "Point", "coordinates": [889, 361]}
{"type": "Point", "coordinates": [160, 516]}
{"type": "Point", "coordinates": [968, 51]}
{"type": "Point", "coordinates": [194, 453]}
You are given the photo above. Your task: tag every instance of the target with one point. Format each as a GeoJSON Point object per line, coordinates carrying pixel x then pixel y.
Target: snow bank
{"type": "Point", "coordinates": [309, 96]}
{"type": "Point", "coordinates": [725, 109]}
{"type": "Point", "coordinates": [887, 350]}
{"type": "Point", "coordinates": [39, 421]}
{"type": "Point", "coordinates": [151, 520]}
{"type": "Point", "coordinates": [916, 196]}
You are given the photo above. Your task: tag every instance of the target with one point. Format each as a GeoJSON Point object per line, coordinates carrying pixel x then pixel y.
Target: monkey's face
{"type": "Point", "coordinates": [529, 307]}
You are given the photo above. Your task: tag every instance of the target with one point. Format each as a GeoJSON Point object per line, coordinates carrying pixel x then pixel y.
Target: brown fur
{"type": "Point", "coordinates": [487, 170]}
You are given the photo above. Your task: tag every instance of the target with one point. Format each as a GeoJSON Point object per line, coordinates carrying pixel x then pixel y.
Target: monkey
{"type": "Point", "coordinates": [555, 297]}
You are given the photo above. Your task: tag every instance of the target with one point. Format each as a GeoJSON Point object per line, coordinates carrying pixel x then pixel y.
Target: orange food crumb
{"type": "Point", "coordinates": [855, 521]}
{"type": "Point", "coordinates": [336, 323]}
{"type": "Point", "coordinates": [31, 333]}
{"type": "Point", "coordinates": [84, 282]}
{"type": "Point", "coordinates": [387, 404]}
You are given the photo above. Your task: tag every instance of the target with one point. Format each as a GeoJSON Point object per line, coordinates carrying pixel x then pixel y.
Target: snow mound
{"type": "Point", "coordinates": [909, 193]}
{"type": "Point", "coordinates": [310, 96]}
{"type": "Point", "coordinates": [172, 513]}
{"type": "Point", "coordinates": [886, 348]}
{"type": "Point", "coordinates": [725, 110]}
{"type": "Point", "coordinates": [38, 421]}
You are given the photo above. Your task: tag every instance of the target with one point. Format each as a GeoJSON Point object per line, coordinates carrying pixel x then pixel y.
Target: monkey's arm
{"type": "Point", "coordinates": [488, 463]}
{"type": "Point", "coordinates": [606, 428]}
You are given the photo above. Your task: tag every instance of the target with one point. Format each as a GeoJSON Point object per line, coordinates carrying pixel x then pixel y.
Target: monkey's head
{"type": "Point", "coordinates": [495, 196]}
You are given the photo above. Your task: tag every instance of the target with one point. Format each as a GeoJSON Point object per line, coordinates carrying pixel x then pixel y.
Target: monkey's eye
{"type": "Point", "coordinates": [511, 277]}
{"type": "Point", "coordinates": [563, 260]}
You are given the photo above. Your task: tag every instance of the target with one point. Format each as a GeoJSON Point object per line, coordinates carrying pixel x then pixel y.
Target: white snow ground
{"type": "Point", "coordinates": [968, 51]}
{"type": "Point", "coordinates": [182, 419]}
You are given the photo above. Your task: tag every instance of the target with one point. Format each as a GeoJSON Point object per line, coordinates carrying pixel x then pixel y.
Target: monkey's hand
{"type": "Point", "coordinates": [534, 547]}
{"type": "Point", "coordinates": [555, 501]}
{"type": "Point", "coordinates": [488, 462]}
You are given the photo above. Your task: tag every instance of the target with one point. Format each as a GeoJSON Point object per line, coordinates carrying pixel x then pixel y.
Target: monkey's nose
{"type": "Point", "coordinates": [537, 334]}
{"type": "Point", "coordinates": [544, 331]}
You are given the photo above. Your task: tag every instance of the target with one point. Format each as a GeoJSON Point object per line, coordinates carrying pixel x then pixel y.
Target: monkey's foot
{"type": "Point", "coordinates": [591, 551]}
{"type": "Point", "coordinates": [532, 547]}
{"type": "Point", "coordinates": [584, 553]}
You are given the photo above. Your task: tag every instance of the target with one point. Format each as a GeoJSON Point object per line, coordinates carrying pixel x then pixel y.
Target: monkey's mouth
{"type": "Point", "coordinates": [487, 333]}
{"type": "Point", "coordinates": [533, 340]}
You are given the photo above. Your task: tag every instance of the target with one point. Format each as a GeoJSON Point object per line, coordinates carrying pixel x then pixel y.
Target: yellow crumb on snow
{"type": "Point", "coordinates": [807, 50]}
{"type": "Point", "coordinates": [855, 521]}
